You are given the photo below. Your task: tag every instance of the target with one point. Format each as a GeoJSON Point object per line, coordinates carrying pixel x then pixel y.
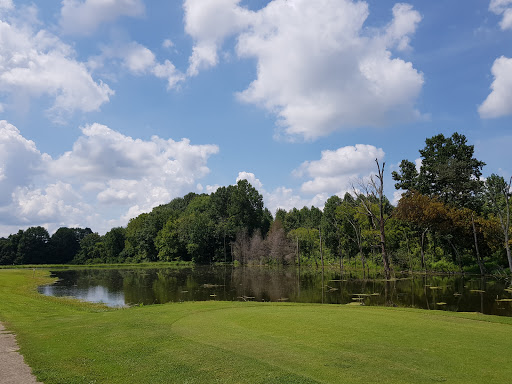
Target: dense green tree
{"type": "Point", "coordinates": [292, 220]}
{"type": "Point", "coordinates": [197, 230]}
{"type": "Point", "coordinates": [448, 171]}
{"type": "Point", "coordinates": [140, 235]}
{"type": "Point", "coordinates": [308, 241]}
{"type": "Point", "coordinates": [6, 252]}
{"type": "Point", "coordinates": [91, 250]}
{"type": "Point", "coordinates": [280, 215]}
{"type": "Point", "coordinates": [424, 214]}
{"type": "Point", "coordinates": [169, 243]}
{"type": "Point", "coordinates": [353, 228]}
{"type": "Point", "coordinates": [65, 243]}
{"type": "Point", "coordinates": [245, 208]}
{"type": "Point", "coordinates": [33, 246]}
{"type": "Point", "coordinates": [113, 242]}
{"type": "Point", "coordinates": [331, 230]}
{"type": "Point", "coordinates": [310, 217]}
{"type": "Point", "coordinates": [9, 248]}
{"type": "Point", "coordinates": [407, 179]}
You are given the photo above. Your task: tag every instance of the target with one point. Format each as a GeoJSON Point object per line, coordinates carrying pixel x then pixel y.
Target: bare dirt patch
{"type": "Point", "coordinates": [13, 368]}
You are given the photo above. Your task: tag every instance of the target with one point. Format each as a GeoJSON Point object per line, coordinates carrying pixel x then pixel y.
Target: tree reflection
{"type": "Point", "coordinates": [306, 285]}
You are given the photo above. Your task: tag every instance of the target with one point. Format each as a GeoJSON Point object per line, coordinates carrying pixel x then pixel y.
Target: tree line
{"type": "Point", "coordinates": [449, 219]}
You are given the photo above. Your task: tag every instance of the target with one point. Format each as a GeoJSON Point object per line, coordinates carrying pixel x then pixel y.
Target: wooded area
{"type": "Point", "coordinates": [449, 219]}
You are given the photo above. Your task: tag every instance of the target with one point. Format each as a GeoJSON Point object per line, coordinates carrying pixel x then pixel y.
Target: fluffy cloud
{"type": "Point", "coordinates": [336, 171]}
{"type": "Point", "coordinates": [404, 23]}
{"type": "Point", "coordinates": [499, 101]}
{"type": "Point", "coordinates": [318, 68]}
{"type": "Point", "coordinates": [106, 173]}
{"type": "Point", "coordinates": [54, 204]}
{"type": "Point", "coordinates": [502, 7]}
{"type": "Point", "coordinates": [156, 170]}
{"type": "Point", "coordinates": [6, 5]}
{"type": "Point", "coordinates": [251, 178]}
{"type": "Point", "coordinates": [167, 43]}
{"type": "Point", "coordinates": [37, 63]}
{"type": "Point", "coordinates": [20, 161]}
{"type": "Point", "coordinates": [84, 17]}
{"type": "Point", "coordinates": [140, 60]}
{"type": "Point", "coordinates": [209, 23]}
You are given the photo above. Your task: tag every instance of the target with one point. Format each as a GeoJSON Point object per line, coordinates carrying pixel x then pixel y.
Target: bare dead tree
{"type": "Point", "coordinates": [478, 257]}
{"type": "Point", "coordinates": [373, 190]}
{"type": "Point", "coordinates": [241, 247]}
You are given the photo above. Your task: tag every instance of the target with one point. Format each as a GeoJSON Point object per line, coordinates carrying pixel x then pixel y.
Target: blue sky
{"type": "Point", "coordinates": [109, 108]}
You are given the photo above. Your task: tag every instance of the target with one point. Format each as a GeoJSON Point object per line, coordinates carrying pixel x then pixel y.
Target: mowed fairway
{"type": "Point", "coordinates": [66, 341]}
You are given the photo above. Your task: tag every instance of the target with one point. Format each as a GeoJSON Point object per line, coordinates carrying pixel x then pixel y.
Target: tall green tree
{"type": "Point", "coordinates": [113, 242]}
{"type": "Point", "coordinates": [9, 248]}
{"type": "Point", "coordinates": [91, 250]}
{"type": "Point", "coordinates": [330, 228]}
{"type": "Point", "coordinates": [350, 228]}
{"type": "Point", "coordinates": [245, 208]}
{"type": "Point", "coordinates": [448, 171]}
{"type": "Point", "coordinates": [33, 246]}
{"type": "Point", "coordinates": [65, 243]}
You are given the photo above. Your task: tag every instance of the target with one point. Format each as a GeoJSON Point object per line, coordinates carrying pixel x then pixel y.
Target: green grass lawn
{"type": "Point", "coordinates": [66, 341]}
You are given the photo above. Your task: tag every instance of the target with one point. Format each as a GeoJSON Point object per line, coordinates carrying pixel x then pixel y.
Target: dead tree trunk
{"type": "Point", "coordinates": [478, 258]}
{"type": "Point", "coordinates": [376, 191]}
{"type": "Point", "coordinates": [422, 250]}
{"type": "Point", "coordinates": [382, 222]}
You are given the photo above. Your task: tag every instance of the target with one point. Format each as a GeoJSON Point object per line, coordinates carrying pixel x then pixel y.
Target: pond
{"type": "Point", "coordinates": [127, 287]}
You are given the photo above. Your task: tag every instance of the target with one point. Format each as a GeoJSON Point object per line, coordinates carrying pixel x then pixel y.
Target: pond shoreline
{"type": "Point", "coordinates": [145, 286]}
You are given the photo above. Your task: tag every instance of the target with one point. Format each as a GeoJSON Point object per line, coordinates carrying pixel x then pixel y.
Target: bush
{"type": "Point", "coordinates": [444, 266]}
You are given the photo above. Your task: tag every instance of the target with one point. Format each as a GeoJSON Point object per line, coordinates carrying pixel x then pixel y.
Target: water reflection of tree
{"type": "Point", "coordinates": [150, 286]}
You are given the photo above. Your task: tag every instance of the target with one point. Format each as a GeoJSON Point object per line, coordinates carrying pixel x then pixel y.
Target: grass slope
{"type": "Point", "coordinates": [66, 341]}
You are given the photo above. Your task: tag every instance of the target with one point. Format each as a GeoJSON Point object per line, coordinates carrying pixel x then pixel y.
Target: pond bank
{"type": "Point", "coordinates": [68, 341]}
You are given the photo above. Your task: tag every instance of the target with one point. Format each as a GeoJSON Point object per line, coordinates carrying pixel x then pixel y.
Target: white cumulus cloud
{"type": "Point", "coordinates": [210, 23]}
{"type": "Point", "coordinates": [84, 17]}
{"type": "Point", "coordinates": [103, 181]}
{"type": "Point", "coordinates": [499, 102]}
{"type": "Point", "coordinates": [20, 161]}
{"type": "Point", "coordinates": [139, 60]}
{"type": "Point", "coordinates": [6, 5]}
{"type": "Point", "coordinates": [251, 178]}
{"type": "Point", "coordinates": [37, 63]}
{"type": "Point", "coordinates": [319, 69]}
{"type": "Point", "coordinates": [504, 8]}
{"type": "Point", "coordinates": [337, 170]}
{"type": "Point", "coordinates": [54, 204]}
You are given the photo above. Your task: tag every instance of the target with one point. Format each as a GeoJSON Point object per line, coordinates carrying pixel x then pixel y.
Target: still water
{"type": "Point", "coordinates": [126, 287]}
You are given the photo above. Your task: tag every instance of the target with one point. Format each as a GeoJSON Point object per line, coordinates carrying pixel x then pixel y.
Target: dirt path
{"type": "Point", "coordinates": [13, 369]}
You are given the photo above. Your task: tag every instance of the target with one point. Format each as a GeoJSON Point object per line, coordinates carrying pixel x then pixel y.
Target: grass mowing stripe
{"type": "Point", "coordinates": [66, 341]}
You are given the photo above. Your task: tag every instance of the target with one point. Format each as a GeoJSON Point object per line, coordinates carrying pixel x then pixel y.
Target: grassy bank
{"type": "Point", "coordinates": [66, 341]}
{"type": "Point", "coordinates": [153, 264]}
